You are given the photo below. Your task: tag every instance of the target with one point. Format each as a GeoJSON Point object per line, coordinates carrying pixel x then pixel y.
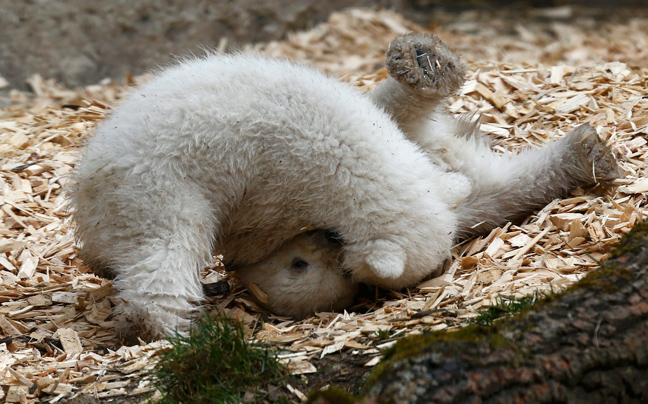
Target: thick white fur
{"type": "Point", "coordinates": [496, 189]}
{"type": "Point", "coordinates": [501, 188]}
{"type": "Point", "coordinates": [239, 153]}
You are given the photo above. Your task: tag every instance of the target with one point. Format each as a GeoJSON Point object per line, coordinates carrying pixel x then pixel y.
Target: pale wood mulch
{"type": "Point", "coordinates": [55, 316]}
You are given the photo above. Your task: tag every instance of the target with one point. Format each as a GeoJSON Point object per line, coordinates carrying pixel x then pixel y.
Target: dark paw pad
{"type": "Point", "coordinates": [597, 159]}
{"type": "Point", "coordinates": [424, 63]}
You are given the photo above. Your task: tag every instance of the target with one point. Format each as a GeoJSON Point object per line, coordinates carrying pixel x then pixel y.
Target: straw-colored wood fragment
{"type": "Point", "coordinates": [299, 367]}
{"type": "Point", "coordinates": [17, 394]}
{"type": "Point", "coordinates": [8, 328]}
{"type": "Point", "coordinates": [258, 293]}
{"type": "Point", "coordinates": [70, 340]}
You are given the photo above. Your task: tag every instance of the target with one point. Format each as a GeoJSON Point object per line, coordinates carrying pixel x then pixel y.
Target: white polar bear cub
{"type": "Point", "coordinates": [168, 179]}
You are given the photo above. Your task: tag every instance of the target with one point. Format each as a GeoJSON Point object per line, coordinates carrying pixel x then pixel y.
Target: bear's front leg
{"type": "Point", "coordinates": [154, 233]}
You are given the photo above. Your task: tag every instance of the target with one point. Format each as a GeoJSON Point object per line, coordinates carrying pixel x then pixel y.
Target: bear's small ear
{"type": "Point", "coordinates": [386, 259]}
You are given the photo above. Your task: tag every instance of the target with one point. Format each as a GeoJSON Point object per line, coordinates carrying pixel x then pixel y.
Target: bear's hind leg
{"type": "Point", "coordinates": [508, 188]}
{"type": "Point", "coordinates": [423, 72]}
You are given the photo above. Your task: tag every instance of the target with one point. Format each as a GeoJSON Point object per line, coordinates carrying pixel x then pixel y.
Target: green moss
{"type": "Point", "coordinates": [632, 241]}
{"type": "Point", "coordinates": [333, 395]}
{"type": "Point", "coordinates": [413, 345]}
{"type": "Point", "coordinates": [507, 312]}
{"type": "Point", "coordinates": [406, 347]}
{"type": "Point", "coordinates": [604, 279]}
{"type": "Point", "coordinates": [506, 307]}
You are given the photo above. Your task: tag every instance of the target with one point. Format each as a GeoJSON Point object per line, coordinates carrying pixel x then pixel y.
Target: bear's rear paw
{"type": "Point", "coordinates": [597, 159]}
{"type": "Point", "coordinates": [424, 63]}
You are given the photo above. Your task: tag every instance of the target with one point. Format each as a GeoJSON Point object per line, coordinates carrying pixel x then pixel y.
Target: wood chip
{"type": "Point", "coordinates": [639, 187]}
{"type": "Point", "coordinates": [65, 297]}
{"type": "Point", "coordinates": [564, 220]}
{"type": "Point", "coordinates": [332, 348]}
{"type": "Point", "coordinates": [469, 262]}
{"type": "Point", "coordinates": [296, 392]}
{"type": "Point", "coordinates": [28, 267]}
{"type": "Point", "coordinates": [299, 367]}
{"type": "Point", "coordinates": [258, 293]}
{"type": "Point", "coordinates": [17, 394]}
{"type": "Point", "coordinates": [373, 362]}
{"type": "Point", "coordinates": [70, 341]}
{"type": "Point", "coordinates": [8, 328]}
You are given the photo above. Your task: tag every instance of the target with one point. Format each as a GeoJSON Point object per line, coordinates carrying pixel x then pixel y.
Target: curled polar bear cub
{"type": "Point", "coordinates": [423, 71]}
{"type": "Point", "coordinates": [236, 154]}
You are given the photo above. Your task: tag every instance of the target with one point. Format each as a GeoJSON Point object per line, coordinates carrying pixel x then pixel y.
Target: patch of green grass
{"type": "Point", "coordinates": [216, 365]}
{"type": "Point", "coordinates": [382, 334]}
{"type": "Point", "coordinates": [506, 307]}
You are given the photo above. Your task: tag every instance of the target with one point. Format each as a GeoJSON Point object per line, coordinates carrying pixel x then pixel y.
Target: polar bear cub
{"type": "Point", "coordinates": [237, 154]}
{"type": "Point", "coordinates": [423, 72]}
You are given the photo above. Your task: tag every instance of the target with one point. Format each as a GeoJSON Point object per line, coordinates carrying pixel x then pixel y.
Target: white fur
{"type": "Point", "coordinates": [499, 188]}
{"type": "Point", "coordinates": [237, 154]}
{"type": "Point", "coordinates": [482, 188]}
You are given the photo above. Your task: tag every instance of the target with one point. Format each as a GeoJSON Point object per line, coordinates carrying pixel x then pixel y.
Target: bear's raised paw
{"type": "Point", "coordinates": [425, 64]}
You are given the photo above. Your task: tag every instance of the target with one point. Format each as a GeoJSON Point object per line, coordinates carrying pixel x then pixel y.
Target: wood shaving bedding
{"type": "Point", "coordinates": [55, 315]}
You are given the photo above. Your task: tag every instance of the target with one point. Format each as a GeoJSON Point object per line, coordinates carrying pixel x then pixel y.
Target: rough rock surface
{"type": "Point", "coordinates": [586, 345]}
{"type": "Point", "coordinates": [81, 42]}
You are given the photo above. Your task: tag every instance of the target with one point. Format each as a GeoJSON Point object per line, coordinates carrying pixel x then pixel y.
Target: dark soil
{"type": "Point", "coordinates": [342, 370]}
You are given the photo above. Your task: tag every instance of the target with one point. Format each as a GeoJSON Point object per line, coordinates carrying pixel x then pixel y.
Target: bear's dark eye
{"type": "Point", "coordinates": [299, 264]}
